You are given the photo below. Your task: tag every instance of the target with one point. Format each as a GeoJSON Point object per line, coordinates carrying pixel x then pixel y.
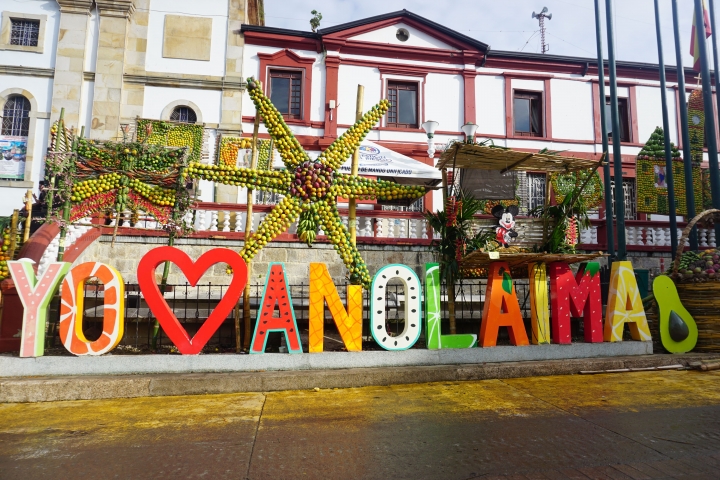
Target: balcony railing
{"type": "Point", "coordinates": [227, 221]}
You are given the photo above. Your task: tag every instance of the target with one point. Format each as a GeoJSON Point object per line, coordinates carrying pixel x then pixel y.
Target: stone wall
{"type": "Point", "coordinates": [128, 251]}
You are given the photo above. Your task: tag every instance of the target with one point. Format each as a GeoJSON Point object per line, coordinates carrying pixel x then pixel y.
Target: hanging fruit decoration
{"type": "Point", "coordinates": [171, 134]}
{"type": "Point", "coordinates": [571, 232]}
{"type": "Point", "coordinates": [650, 177]}
{"type": "Point", "coordinates": [564, 184]}
{"type": "Point", "coordinates": [311, 187]}
{"type": "Point", "coordinates": [229, 148]}
{"type": "Point", "coordinates": [111, 176]}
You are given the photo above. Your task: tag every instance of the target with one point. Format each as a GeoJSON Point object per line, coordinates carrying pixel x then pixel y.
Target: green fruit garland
{"type": "Point", "coordinates": [696, 126]}
{"type": "Point", "coordinates": [172, 134]}
{"type": "Point", "coordinates": [310, 187]}
{"type": "Point", "coordinates": [564, 184]}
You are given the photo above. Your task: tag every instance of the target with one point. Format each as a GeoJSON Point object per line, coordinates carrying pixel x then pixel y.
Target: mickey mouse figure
{"type": "Point", "coordinates": [506, 217]}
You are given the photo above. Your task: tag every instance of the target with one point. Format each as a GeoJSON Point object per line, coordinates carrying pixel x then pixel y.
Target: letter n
{"type": "Point", "coordinates": [349, 323]}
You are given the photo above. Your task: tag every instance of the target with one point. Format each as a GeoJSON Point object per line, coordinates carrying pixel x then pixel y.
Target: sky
{"type": "Point", "coordinates": [508, 24]}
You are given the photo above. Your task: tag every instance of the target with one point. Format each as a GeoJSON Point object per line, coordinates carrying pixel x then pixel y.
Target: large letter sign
{"type": "Point", "coordinates": [625, 305]}
{"type": "Point", "coordinates": [576, 296]}
{"type": "Point", "coordinates": [276, 292]}
{"type": "Point", "coordinates": [413, 293]}
{"type": "Point", "coordinates": [71, 309]}
{"type": "Point", "coordinates": [539, 308]}
{"type": "Point", "coordinates": [349, 323]}
{"type": "Point", "coordinates": [501, 308]}
{"type": "Point", "coordinates": [434, 339]}
{"type": "Point", "coordinates": [35, 296]}
{"type": "Point", "coordinates": [192, 271]}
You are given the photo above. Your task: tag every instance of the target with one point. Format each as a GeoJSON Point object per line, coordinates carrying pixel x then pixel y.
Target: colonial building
{"type": "Point", "coordinates": [107, 62]}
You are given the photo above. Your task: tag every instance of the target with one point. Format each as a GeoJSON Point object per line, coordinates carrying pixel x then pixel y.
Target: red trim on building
{"type": "Point", "coordinates": [469, 96]}
{"type": "Point", "coordinates": [633, 113]}
{"type": "Point", "coordinates": [332, 66]}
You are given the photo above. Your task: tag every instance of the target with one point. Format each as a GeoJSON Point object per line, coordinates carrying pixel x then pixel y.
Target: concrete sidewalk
{"type": "Point", "coordinates": [91, 387]}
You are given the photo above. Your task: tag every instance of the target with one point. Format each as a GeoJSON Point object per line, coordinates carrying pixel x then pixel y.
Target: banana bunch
{"type": "Point", "coordinates": [308, 225]}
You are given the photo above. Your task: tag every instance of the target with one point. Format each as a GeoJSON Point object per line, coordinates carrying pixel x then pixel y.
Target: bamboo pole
{"type": "Point", "coordinates": [248, 232]}
{"type": "Point", "coordinates": [51, 184]}
{"type": "Point", "coordinates": [352, 203]}
{"type": "Point", "coordinates": [28, 207]}
{"type": "Point", "coordinates": [66, 216]}
{"type": "Point", "coordinates": [13, 234]}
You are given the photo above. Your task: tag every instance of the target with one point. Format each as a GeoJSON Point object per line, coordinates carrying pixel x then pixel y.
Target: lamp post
{"type": "Point", "coordinates": [469, 130]}
{"type": "Point", "coordinates": [430, 126]}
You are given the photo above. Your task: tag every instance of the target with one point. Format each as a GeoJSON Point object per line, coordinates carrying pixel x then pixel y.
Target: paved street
{"type": "Point", "coordinates": [606, 427]}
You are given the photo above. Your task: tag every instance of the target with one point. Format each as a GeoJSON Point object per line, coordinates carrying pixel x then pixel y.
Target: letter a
{"type": "Point", "coordinates": [625, 305]}
{"type": "Point", "coordinates": [349, 323]}
{"type": "Point", "coordinates": [578, 297]}
{"type": "Point", "coordinates": [276, 292]}
{"type": "Point", "coordinates": [501, 308]}
{"type": "Point", "coordinates": [35, 296]}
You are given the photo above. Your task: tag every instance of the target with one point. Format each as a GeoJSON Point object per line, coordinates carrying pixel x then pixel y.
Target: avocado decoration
{"type": "Point", "coordinates": [678, 331]}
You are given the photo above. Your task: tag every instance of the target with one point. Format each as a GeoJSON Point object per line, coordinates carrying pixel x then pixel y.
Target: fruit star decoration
{"type": "Point", "coordinates": [311, 187]}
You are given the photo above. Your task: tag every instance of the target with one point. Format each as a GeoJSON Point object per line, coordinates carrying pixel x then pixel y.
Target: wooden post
{"type": "Point", "coordinates": [248, 231]}
{"type": "Point", "coordinates": [66, 218]}
{"type": "Point", "coordinates": [444, 186]}
{"type": "Point", "coordinates": [28, 207]}
{"type": "Point", "coordinates": [352, 203]}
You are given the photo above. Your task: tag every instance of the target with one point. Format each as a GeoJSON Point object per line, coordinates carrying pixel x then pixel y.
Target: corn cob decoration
{"type": "Point", "coordinates": [310, 187]}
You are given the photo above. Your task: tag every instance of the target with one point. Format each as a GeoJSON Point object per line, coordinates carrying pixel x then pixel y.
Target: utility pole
{"type": "Point", "coordinates": [541, 19]}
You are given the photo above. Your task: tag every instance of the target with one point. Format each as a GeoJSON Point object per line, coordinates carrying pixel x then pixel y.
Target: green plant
{"type": "Point", "coordinates": [454, 225]}
{"type": "Point", "coordinates": [561, 217]}
{"type": "Point", "coordinates": [315, 20]}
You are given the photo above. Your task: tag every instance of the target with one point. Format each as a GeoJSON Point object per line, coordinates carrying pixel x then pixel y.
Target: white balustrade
{"type": "Point", "coordinates": [200, 221]}
{"type": "Point", "coordinates": [367, 230]}
{"type": "Point", "coordinates": [711, 238]}
{"type": "Point", "coordinates": [226, 221]}
{"type": "Point", "coordinates": [214, 221]}
{"type": "Point", "coordinates": [402, 228]}
{"type": "Point", "coordinates": [703, 237]}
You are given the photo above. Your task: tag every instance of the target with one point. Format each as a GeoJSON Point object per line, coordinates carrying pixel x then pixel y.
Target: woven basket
{"type": "Point", "coordinates": [702, 300]}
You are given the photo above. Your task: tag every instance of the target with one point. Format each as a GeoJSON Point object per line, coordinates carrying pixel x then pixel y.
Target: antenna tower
{"type": "Point", "coordinates": [541, 19]}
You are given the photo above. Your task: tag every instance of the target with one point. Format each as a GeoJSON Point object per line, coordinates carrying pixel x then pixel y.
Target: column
{"type": "Point", "coordinates": [109, 67]}
{"type": "Point", "coordinates": [70, 60]}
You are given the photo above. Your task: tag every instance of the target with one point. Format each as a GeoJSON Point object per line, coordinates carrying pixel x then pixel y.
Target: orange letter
{"type": "Point", "coordinates": [349, 323]}
{"type": "Point", "coordinates": [501, 308]}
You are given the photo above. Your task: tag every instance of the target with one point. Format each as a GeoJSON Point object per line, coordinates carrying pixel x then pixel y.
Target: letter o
{"type": "Point", "coordinates": [72, 303]}
{"type": "Point", "coordinates": [413, 294]}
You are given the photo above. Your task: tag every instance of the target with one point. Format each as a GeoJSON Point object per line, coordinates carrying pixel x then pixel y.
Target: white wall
{"type": "Point", "coordinates": [40, 88]}
{"type": "Point", "coordinates": [46, 59]}
{"type": "Point", "coordinates": [490, 104]}
{"type": "Point", "coordinates": [532, 85]}
{"type": "Point", "coordinates": [215, 9]}
{"type": "Point", "coordinates": [349, 77]}
{"type": "Point", "coordinates": [649, 112]}
{"type": "Point", "coordinates": [572, 110]}
{"type": "Point", "coordinates": [157, 98]}
{"type": "Point", "coordinates": [387, 35]}
{"type": "Point", "coordinates": [444, 101]}
{"type": "Point", "coordinates": [91, 44]}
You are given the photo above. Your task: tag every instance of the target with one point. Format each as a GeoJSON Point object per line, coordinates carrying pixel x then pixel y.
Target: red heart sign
{"type": "Point", "coordinates": [192, 271]}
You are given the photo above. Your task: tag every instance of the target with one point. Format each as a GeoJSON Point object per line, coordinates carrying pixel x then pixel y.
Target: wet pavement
{"type": "Point", "coordinates": [638, 426]}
